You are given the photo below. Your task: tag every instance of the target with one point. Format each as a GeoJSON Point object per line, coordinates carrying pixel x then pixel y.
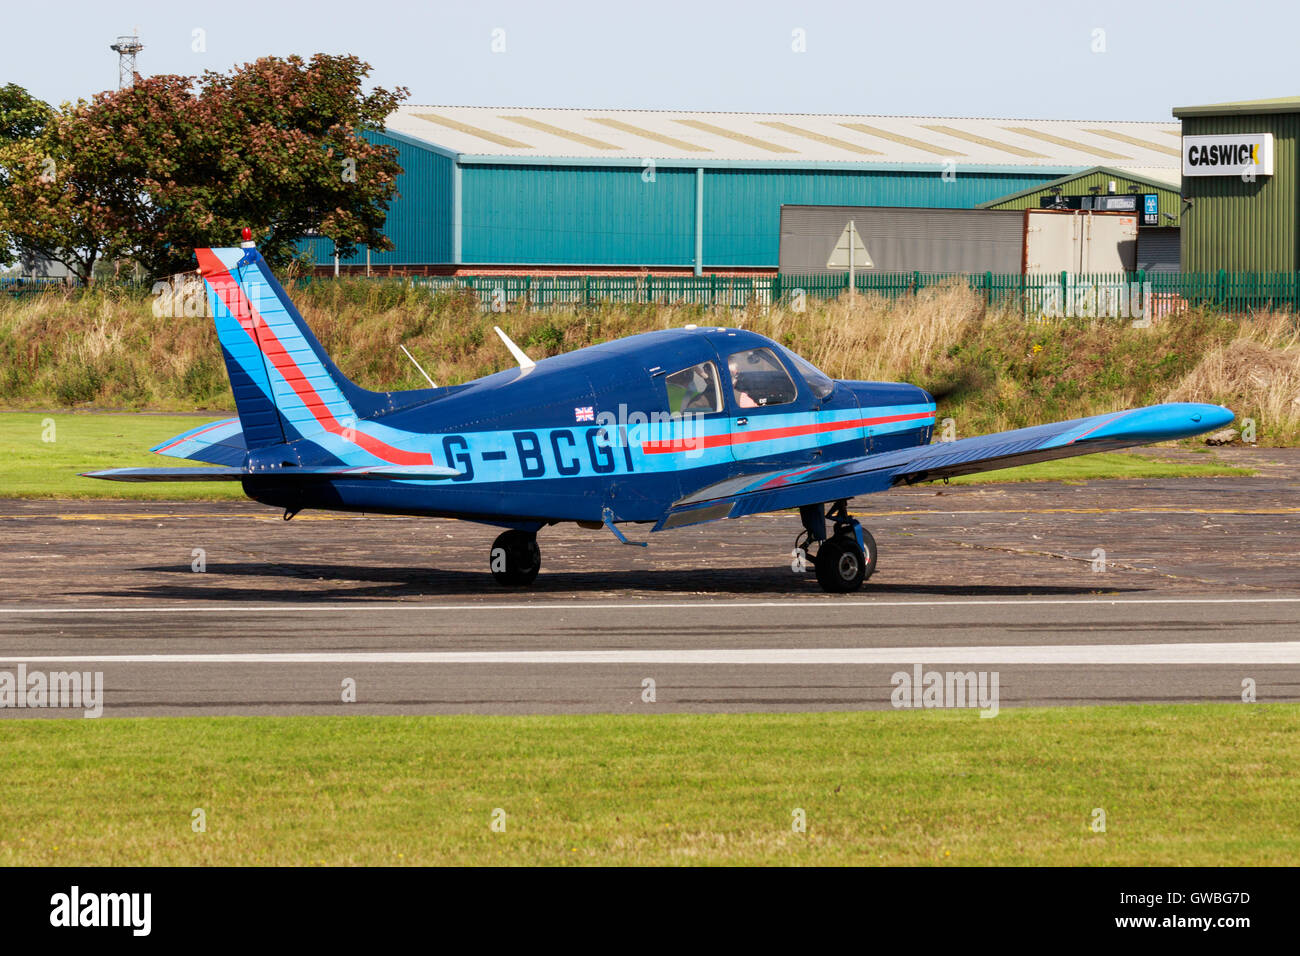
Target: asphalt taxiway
{"type": "Point", "coordinates": [1117, 591]}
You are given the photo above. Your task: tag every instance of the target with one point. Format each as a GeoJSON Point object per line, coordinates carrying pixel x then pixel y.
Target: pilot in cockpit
{"type": "Point", "coordinates": [743, 398]}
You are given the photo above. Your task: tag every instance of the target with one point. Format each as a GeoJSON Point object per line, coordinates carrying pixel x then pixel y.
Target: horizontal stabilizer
{"type": "Point", "coordinates": [216, 443]}
{"type": "Point", "coordinates": [298, 473]}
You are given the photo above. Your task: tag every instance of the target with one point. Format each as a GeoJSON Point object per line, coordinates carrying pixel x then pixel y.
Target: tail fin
{"type": "Point", "coordinates": [285, 386]}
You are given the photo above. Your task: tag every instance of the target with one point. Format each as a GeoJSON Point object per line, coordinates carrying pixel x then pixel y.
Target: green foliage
{"type": "Point", "coordinates": [549, 338]}
{"type": "Point", "coordinates": [22, 116]}
{"type": "Point", "coordinates": [177, 162]}
{"type": "Point", "coordinates": [77, 381]}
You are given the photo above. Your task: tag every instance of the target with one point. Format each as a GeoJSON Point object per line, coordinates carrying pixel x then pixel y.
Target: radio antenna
{"type": "Point", "coordinates": [417, 365]}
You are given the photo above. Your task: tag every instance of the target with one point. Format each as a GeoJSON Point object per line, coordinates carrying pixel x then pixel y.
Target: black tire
{"type": "Point", "coordinates": [842, 566]}
{"type": "Point", "coordinates": [869, 558]}
{"type": "Point", "coordinates": [515, 558]}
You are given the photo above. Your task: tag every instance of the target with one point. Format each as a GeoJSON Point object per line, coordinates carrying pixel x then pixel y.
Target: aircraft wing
{"type": "Point", "coordinates": [790, 488]}
{"type": "Point", "coordinates": [294, 473]}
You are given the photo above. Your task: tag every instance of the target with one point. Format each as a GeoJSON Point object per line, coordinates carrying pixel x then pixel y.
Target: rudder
{"type": "Point", "coordinates": [284, 384]}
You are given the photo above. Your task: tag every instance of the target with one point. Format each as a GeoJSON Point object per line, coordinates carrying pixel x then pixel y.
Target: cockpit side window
{"type": "Point", "coordinates": [694, 390]}
{"type": "Point", "coordinates": [758, 379]}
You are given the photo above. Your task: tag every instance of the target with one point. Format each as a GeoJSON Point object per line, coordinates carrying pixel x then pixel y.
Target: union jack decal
{"type": "Point", "coordinates": [587, 413]}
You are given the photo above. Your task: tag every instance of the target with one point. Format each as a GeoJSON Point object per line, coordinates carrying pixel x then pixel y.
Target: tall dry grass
{"type": "Point", "coordinates": [1257, 374]}
{"type": "Point", "coordinates": [871, 337]}
{"type": "Point", "coordinates": [990, 370]}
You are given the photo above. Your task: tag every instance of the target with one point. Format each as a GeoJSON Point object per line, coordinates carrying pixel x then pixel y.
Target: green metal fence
{"type": "Point", "coordinates": [1134, 294]}
{"type": "Point", "coordinates": [496, 293]}
{"type": "Point", "coordinates": [29, 285]}
{"type": "Point", "coordinates": [1124, 295]}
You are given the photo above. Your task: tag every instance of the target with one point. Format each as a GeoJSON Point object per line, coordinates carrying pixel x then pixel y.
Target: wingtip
{"type": "Point", "coordinates": [1219, 416]}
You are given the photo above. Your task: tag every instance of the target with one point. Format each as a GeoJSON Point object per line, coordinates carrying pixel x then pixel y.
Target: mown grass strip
{"type": "Point", "coordinates": [1208, 784]}
{"type": "Point", "coordinates": [43, 453]}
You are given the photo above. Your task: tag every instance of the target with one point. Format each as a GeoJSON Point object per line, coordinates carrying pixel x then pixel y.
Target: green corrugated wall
{"type": "Point", "coordinates": [1169, 199]}
{"type": "Point", "coordinates": [1242, 226]}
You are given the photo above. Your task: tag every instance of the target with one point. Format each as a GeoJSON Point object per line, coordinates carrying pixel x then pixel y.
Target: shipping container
{"type": "Point", "coordinates": [900, 239]}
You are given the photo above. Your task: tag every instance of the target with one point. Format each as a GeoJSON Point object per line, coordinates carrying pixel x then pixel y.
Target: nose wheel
{"type": "Point", "coordinates": [515, 558]}
{"type": "Point", "coordinates": [847, 556]}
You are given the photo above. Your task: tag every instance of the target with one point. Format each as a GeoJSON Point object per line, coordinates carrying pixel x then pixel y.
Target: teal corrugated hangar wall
{"type": "Point", "coordinates": [420, 218]}
{"type": "Point", "coordinates": [568, 215]}
{"type": "Point", "coordinates": [482, 210]}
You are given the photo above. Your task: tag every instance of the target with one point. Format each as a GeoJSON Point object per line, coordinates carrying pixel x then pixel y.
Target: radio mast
{"type": "Point", "coordinates": [126, 48]}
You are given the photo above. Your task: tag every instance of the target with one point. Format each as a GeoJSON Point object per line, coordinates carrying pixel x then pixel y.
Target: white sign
{"type": "Point", "coordinates": [849, 252]}
{"type": "Point", "coordinates": [1228, 155]}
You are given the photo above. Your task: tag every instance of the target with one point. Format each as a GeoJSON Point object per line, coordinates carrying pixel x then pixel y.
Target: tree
{"type": "Point", "coordinates": [176, 162]}
{"type": "Point", "coordinates": [62, 197]}
{"type": "Point", "coordinates": [23, 118]}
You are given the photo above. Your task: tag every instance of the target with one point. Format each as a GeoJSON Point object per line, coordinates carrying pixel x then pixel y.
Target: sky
{"type": "Point", "coordinates": [1003, 58]}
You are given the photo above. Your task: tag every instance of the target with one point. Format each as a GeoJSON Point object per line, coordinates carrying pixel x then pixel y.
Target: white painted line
{"type": "Point", "coordinates": [306, 608]}
{"type": "Point", "coordinates": [1268, 652]}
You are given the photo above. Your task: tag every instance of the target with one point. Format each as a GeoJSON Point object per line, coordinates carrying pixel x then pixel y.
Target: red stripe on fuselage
{"type": "Point", "coordinates": [224, 284]}
{"type": "Point", "coordinates": [770, 434]}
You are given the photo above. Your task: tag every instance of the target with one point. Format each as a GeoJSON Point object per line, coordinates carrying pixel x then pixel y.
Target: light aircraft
{"type": "Point", "coordinates": [667, 428]}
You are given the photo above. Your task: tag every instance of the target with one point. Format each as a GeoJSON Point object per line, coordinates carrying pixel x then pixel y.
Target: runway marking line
{"type": "Point", "coordinates": [632, 606]}
{"type": "Point", "coordinates": [1264, 652]}
{"type": "Point", "coordinates": [128, 516]}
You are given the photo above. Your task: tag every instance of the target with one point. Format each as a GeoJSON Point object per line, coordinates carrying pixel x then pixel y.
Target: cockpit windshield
{"type": "Point", "coordinates": [820, 384]}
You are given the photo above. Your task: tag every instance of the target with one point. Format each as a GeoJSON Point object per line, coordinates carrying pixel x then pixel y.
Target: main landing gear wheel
{"type": "Point", "coordinates": [841, 565]}
{"type": "Point", "coordinates": [846, 557]}
{"type": "Point", "coordinates": [515, 558]}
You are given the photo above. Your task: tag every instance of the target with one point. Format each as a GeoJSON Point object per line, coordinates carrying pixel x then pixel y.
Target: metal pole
{"type": "Point", "coordinates": [853, 234]}
{"type": "Point", "coordinates": [699, 220]}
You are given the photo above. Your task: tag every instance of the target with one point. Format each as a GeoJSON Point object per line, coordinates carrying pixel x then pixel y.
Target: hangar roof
{"type": "Point", "coordinates": [522, 133]}
{"type": "Point", "coordinates": [1280, 104]}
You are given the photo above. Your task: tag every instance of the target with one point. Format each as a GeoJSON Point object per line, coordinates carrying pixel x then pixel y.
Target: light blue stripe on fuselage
{"type": "Point", "coordinates": [585, 450]}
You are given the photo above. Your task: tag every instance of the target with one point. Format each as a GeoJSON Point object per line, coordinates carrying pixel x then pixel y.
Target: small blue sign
{"type": "Point", "coordinates": [1150, 210]}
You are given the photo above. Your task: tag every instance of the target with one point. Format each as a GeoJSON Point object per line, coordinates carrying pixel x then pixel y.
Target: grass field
{"type": "Point", "coordinates": [31, 467]}
{"type": "Point", "coordinates": [1209, 784]}
{"type": "Point", "coordinates": [1106, 465]}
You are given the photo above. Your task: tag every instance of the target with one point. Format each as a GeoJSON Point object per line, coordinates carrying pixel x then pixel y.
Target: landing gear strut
{"type": "Point", "coordinates": [515, 558]}
{"type": "Point", "coordinates": [847, 556]}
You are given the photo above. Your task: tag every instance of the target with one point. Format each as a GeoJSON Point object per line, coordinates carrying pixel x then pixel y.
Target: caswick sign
{"type": "Point", "coordinates": [1228, 154]}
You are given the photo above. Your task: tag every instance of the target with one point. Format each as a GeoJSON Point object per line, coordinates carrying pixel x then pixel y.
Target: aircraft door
{"type": "Point", "coordinates": [775, 414]}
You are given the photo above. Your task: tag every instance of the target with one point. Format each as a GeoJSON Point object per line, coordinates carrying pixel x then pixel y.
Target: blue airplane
{"type": "Point", "coordinates": [668, 428]}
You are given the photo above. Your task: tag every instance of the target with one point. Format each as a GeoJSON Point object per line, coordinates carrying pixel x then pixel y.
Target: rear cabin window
{"type": "Point", "coordinates": [694, 390]}
{"type": "Point", "coordinates": [758, 379]}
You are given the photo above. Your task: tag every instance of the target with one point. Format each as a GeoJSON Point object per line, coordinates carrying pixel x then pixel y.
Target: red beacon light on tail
{"type": "Point", "coordinates": [247, 236]}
